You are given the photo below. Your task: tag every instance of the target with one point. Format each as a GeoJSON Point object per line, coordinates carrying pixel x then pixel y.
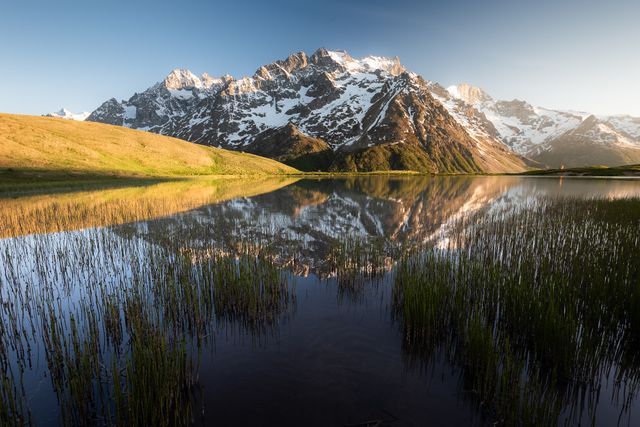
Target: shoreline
{"type": "Point", "coordinates": [32, 181]}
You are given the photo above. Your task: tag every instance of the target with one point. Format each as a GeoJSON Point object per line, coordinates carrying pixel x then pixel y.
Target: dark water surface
{"type": "Point", "coordinates": [324, 329]}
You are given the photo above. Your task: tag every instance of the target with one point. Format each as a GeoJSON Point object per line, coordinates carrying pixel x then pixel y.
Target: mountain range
{"type": "Point", "coordinates": [63, 113]}
{"type": "Point", "coordinates": [553, 138]}
{"type": "Point", "coordinates": [329, 111]}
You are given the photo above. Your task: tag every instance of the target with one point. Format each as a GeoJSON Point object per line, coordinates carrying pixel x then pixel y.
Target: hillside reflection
{"type": "Point", "coordinates": [56, 212]}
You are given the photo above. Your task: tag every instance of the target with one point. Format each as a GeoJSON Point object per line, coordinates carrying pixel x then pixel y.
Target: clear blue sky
{"type": "Point", "coordinates": [582, 55]}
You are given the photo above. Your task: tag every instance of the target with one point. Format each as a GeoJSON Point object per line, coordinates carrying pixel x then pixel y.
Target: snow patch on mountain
{"type": "Point", "coordinates": [606, 133]}
{"type": "Point", "coordinates": [627, 124]}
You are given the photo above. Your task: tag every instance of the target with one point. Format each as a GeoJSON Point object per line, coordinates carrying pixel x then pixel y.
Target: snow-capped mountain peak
{"type": "Point", "coordinates": [470, 94]}
{"type": "Point", "coordinates": [209, 81]}
{"type": "Point", "coordinates": [63, 113]}
{"type": "Point", "coordinates": [181, 79]}
{"type": "Point", "coordinates": [344, 62]}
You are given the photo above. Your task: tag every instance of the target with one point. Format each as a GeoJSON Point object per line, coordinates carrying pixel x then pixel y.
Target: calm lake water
{"type": "Point", "coordinates": [369, 301]}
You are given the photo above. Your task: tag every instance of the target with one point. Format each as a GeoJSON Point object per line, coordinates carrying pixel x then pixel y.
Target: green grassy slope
{"type": "Point", "coordinates": [57, 146]}
{"type": "Point", "coordinates": [628, 170]}
{"type": "Point", "coordinates": [441, 159]}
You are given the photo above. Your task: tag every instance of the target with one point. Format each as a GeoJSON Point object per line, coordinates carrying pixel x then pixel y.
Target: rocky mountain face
{"type": "Point", "coordinates": [553, 138]}
{"type": "Point", "coordinates": [66, 114]}
{"type": "Point", "coordinates": [328, 111]}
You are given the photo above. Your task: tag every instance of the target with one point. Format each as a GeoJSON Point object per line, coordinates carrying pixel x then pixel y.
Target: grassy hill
{"type": "Point", "coordinates": [48, 146]}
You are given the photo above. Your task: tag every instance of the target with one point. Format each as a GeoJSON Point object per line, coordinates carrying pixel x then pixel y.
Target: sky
{"type": "Point", "coordinates": [566, 54]}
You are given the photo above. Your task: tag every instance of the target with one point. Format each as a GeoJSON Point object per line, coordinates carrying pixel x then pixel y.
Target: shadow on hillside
{"type": "Point", "coordinates": [20, 182]}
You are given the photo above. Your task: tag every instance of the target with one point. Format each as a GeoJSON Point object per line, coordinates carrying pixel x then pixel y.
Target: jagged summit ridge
{"type": "Point", "coordinates": [285, 90]}
{"type": "Point", "coordinates": [183, 79]}
{"type": "Point", "coordinates": [343, 61]}
{"type": "Point", "coordinates": [285, 67]}
{"type": "Point", "coordinates": [470, 94]}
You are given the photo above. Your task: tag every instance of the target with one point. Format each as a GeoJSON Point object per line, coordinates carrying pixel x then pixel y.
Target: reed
{"type": "Point", "coordinates": [536, 303]}
{"type": "Point", "coordinates": [120, 320]}
{"type": "Point", "coordinates": [356, 261]}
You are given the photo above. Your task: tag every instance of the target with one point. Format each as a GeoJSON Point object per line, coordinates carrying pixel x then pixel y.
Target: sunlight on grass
{"type": "Point", "coordinates": [71, 211]}
{"type": "Point", "coordinates": [58, 145]}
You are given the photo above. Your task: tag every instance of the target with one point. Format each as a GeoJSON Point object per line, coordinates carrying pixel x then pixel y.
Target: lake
{"type": "Point", "coordinates": [359, 301]}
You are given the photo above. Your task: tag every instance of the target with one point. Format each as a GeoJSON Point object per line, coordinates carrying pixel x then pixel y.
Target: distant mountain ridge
{"type": "Point", "coordinates": [63, 113]}
{"type": "Point", "coordinates": [329, 111]}
{"type": "Point", "coordinates": [552, 137]}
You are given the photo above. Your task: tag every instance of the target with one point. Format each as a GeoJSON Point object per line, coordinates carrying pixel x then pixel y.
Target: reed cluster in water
{"type": "Point", "coordinates": [122, 319]}
{"type": "Point", "coordinates": [538, 304]}
{"type": "Point", "coordinates": [356, 261]}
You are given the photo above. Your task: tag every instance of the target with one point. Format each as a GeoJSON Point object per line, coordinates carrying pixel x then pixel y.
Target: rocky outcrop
{"type": "Point", "coordinates": [110, 112]}
{"type": "Point", "coordinates": [290, 146]}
